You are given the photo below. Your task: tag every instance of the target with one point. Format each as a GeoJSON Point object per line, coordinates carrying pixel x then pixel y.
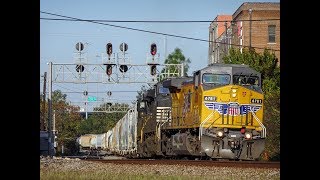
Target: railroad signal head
{"type": "Point", "coordinates": [79, 68]}
{"type": "Point", "coordinates": [153, 70]}
{"type": "Point", "coordinates": [85, 93]}
{"type": "Point", "coordinates": [109, 49]}
{"type": "Point", "coordinates": [153, 49]}
{"type": "Point", "coordinates": [79, 46]}
{"type": "Point", "coordinates": [123, 47]}
{"type": "Point", "coordinates": [123, 68]}
{"type": "Point", "coordinates": [109, 93]}
{"type": "Point", "coordinates": [109, 69]}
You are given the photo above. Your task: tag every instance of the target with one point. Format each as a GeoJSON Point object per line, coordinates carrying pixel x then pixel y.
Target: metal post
{"type": "Point", "coordinates": [87, 101]}
{"type": "Point", "coordinates": [214, 45]}
{"type": "Point", "coordinates": [42, 128]}
{"type": "Point", "coordinates": [218, 52]}
{"type": "Point", "coordinates": [250, 13]}
{"type": "Point", "coordinates": [209, 51]}
{"type": "Point", "coordinates": [50, 135]}
{"type": "Point", "coordinates": [86, 107]}
{"type": "Point", "coordinates": [182, 70]}
{"type": "Point", "coordinates": [54, 122]}
{"type": "Point", "coordinates": [54, 130]}
{"type": "Point", "coordinates": [85, 93]}
{"type": "Point", "coordinates": [226, 38]}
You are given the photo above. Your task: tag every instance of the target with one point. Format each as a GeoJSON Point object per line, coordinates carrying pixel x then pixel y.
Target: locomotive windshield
{"type": "Point", "coordinates": [248, 80]}
{"type": "Point", "coordinates": [216, 79]}
{"type": "Point", "coordinates": [163, 90]}
{"type": "Point", "coordinates": [243, 79]}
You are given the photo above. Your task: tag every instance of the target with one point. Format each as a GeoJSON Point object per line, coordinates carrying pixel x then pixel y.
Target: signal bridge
{"type": "Point", "coordinates": [103, 106]}
{"type": "Point", "coordinates": [115, 68]}
{"type": "Point", "coordinates": [96, 73]}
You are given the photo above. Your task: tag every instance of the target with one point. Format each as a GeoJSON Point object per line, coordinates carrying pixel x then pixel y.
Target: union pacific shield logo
{"type": "Point", "coordinates": [232, 108]}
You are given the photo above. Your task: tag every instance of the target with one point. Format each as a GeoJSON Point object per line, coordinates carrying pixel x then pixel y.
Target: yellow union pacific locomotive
{"type": "Point", "coordinates": [217, 113]}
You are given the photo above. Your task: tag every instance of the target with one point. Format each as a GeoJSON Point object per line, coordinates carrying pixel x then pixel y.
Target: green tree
{"type": "Point", "coordinates": [101, 122]}
{"type": "Point", "coordinates": [266, 64]}
{"type": "Point", "coordinates": [67, 121]}
{"type": "Point", "coordinates": [142, 90]}
{"type": "Point", "coordinates": [58, 97]}
{"type": "Point", "coordinates": [176, 57]}
{"type": "Point", "coordinates": [70, 125]}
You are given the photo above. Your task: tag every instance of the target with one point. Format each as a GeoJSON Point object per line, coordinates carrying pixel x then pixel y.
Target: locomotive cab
{"type": "Point", "coordinates": [218, 113]}
{"type": "Point", "coordinates": [232, 116]}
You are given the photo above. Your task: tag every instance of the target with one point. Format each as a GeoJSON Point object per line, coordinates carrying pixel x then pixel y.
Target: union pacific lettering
{"type": "Point", "coordinates": [232, 108]}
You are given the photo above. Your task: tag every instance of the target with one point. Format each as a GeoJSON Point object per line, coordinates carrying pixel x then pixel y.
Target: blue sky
{"type": "Point", "coordinates": [58, 38]}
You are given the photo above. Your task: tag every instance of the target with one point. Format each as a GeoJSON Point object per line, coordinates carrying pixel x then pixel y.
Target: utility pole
{"type": "Point", "coordinates": [54, 128]}
{"type": "Point", "coordinates": [50, 134]}
{"type": "Point", "coordinates": [250, 13]}
{"type": "Point", "coordinates": [43, 102]}
{"type": "Point", "coordinates": [85, 93]}
{"type": "Point", "coordinates": [86, 110]}
{"type": "Point", "coordinates": [226, 38]}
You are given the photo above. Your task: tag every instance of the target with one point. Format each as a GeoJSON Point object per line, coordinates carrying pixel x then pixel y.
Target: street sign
{"type": "Point", "coordinates": [92, 98]}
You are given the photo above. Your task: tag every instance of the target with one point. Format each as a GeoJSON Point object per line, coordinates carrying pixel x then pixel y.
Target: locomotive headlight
{"type": "Point", "coordinates": [248, 135]}
{"type": "Point", "coordinates": [220, 133]}
{"type": "Point", "coordinates": [234, 93]}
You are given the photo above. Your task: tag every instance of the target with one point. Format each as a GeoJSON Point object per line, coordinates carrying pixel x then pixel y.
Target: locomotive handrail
{"type": "Point", "coordinates": [158, 133]}
{"type": "Point", "coordinates": [264, 129]}
{"type": "Point", "coordinates": [141, 131]}
{"type": "Point", "coordinates": [203, 122]}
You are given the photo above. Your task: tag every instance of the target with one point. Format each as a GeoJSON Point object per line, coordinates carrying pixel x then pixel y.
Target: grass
{"type": "Point", "coordinates": [54, 175]}
{"type": "Point", "coordinates": [89, 175]}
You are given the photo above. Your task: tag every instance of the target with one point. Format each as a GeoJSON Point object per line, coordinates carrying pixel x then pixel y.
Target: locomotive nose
{"type": "Point", "coordinates": [233, 92]}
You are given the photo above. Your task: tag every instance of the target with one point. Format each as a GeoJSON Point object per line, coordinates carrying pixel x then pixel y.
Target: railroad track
{"type": "Point", "coordinates": [240, 164]}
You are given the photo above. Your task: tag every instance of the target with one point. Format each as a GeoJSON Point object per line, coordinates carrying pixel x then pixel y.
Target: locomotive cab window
{"type": "Point", "coordinates": [216, 79]}
{"type": "Point", "coordinates": [248, 80]}
{"type": "Point", "coordinates": [142, 105]}
{"type": "Point", "coordinates": [163, 90]}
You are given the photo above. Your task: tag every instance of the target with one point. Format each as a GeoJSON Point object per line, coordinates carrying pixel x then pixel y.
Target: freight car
{"type": "Point", "coordinates": [217, 114]}
{"type": "Point", "coordinates": [92, 144]}
{"type": "Point", "coordinates": [120, 140]}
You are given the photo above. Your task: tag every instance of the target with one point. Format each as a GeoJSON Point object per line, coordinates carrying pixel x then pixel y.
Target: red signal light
{"type": "Point", "coordinates": [109, 70]}
{"type": "Point", "coordinates": [153, 49]}
{"type": "Point", "coordinates": [109, 49]}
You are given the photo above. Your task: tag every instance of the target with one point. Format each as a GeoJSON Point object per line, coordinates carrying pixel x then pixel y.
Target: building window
{"type": "Point", "coordinates": [272, 33]}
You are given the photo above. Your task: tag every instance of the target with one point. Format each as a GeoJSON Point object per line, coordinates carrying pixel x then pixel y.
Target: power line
{"type": "Point", "coordinates": [99, 91]}
{"type": "Point", "coordinates": [153, 32]}
{"type": "Point", "coordinates": [154, 21]}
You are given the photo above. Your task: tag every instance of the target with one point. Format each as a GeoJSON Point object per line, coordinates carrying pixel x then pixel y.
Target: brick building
{"type": "Point", "coordinates": [217, 33]}
{"type": "Point", "coordinates": [260, 34]}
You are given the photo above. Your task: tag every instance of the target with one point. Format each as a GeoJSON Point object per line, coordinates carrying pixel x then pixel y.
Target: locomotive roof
{"type": "Point", "coordinates": [175, 82]}
{"type": "Point", "coordinates": [230, 69]}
